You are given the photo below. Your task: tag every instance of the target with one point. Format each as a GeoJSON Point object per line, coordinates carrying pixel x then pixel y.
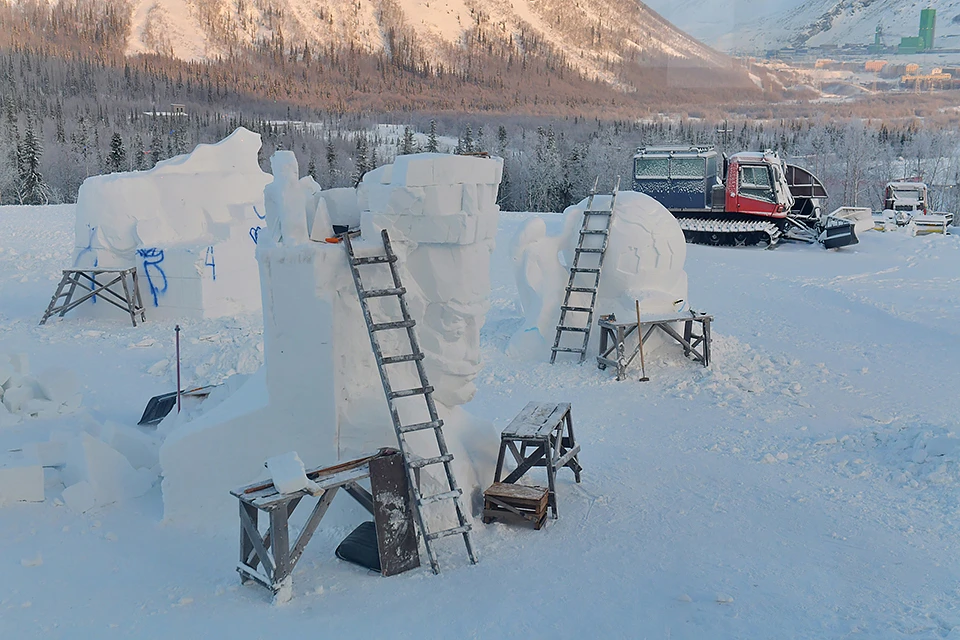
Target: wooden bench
{"type": "Point", "coordinates": [397, 542]}
{"type": "Point", "coordinates": [613, 334]}
{"type": "Point", "coordinates": [547, 430]}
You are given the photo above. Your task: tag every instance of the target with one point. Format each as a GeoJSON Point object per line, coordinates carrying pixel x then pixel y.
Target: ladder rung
{"type": "Point", "coordinates": [568, 349]}
{"type": "Point", "coordinates": [594, 231]}
{"type": "Point", "coordinates": [580, 329]}
{"type": "Point", "coordinates": [598, 213]}
{"type": "Point", "coordinates": [566, 308]}
{"type": "Point", "coordinates": [589, 250]}
{"type": "Point", "coordinates": [426, 462]}
{"type": "Point", "coordinates": [406, 393]}
{"type": "Point", "coordinates": [585, 270]}
{"type": "Point", "coordinates": [410, 357]}
{"type": "Point", "coordinates": [448, 532]}
{"type": "Point", "coordinates": [401, 324]}
{"type": "Point", "coordinates": [420, 426]}
{"type": "Point", "coordinates": [582, 289]}
{"type": "Point", "coordinates": [446, 495]}
{"type": "Point", "coordinates": [374, 260]}
{"type": "Point", "coordinates": [380, 293]}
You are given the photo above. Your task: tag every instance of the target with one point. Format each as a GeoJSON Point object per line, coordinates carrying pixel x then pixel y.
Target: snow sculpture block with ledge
{"type": "Point", "coordinates": [644, 261]}
{"type": "Point", "coordinates": [190, 226]}
{"type": "Point", "coordinates": [319, 392]}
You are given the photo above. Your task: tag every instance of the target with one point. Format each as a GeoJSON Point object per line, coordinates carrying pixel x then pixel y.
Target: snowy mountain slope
{"type": "Point", "coordinates": [757, 25]}
{"type": "Point", "coordinates": [591, 35]}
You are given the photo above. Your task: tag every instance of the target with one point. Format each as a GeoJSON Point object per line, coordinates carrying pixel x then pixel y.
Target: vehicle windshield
{"type": "Point", "coordinates": [755, 183]}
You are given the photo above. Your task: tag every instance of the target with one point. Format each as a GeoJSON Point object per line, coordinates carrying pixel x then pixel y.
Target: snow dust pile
{"type": "Point", "coordinates": [190, 225]}
{"type": "Point", "coordinates": [645, 257]}
{"type": "Point", "coordinates": [319, 392]}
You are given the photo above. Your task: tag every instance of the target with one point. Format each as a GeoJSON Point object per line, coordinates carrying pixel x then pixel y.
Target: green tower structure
{"type": "Point", "coordinates": [928, 23]}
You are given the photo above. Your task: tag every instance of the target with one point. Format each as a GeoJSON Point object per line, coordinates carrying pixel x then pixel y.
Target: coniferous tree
{"type": "Point", "coordinates": [432, 146]}
{"type": "Point", "coordinates": [407, 145]}
{"type": "Point", "coordinates": [139, 154]}
{"type": "Point", "coordinates": [331, 162]}
{"type": "Point", "coordinates": [467, 141]}
{"type": "Point", "coordinates": [360, 166]}
{"type": "Point", "coordinates": [117, 158]}
{"type": "Point", "coordinates": [31, 188]}
{"type": "Point", "coordinates": [312, 168]}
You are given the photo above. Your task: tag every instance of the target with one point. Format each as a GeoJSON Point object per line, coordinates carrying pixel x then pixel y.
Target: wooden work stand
{"type": "Point", "coordinates": [613, 335]}
{"type": "Point", "coordinates": [119, 287]}
{"type": "Point", "coordinates": [397, 542]}
{"type": "Point", "coordinates": [546, 430]}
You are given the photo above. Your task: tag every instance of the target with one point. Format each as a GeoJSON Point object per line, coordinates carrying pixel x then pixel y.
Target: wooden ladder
{"type": "Point", "coordinates": [412, 463]}
{"type": "Point", "coordinates": [581, 320]}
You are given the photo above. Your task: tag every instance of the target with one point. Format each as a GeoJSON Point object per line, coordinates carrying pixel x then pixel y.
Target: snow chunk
{"type": "Point", "coordinates": [99, 475]}
{"type": "Point", "coordinates": [58, 385]}
{"type": "Point", "coordinates": [288, 473]}
{"type": "Point", "coordinates": [21, 484]}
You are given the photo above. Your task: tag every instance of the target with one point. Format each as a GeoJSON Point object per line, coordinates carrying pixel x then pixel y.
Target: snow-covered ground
{"type": "Point", "coordinates": [804, 486]}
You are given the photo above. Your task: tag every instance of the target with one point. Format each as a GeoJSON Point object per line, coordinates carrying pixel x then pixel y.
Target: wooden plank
{"type": "Point", "coordinates": [258, 543]}
{"type": "Point", "coordinates": [311, 526]}
{"type": "Point", "coordinates": [361, 495]}
{"type": "Point", "coordinates": [273, 499]}
{"type": "Point", "coordinates": [516, 491]}
{"type": "Point", "coordinates": [397, 541]}
{"type": "Point", "coordinates": [525, 466]}
{"type": "Point", "coordinates": [281, 545]}
{"type": "Point", "coordinates": [520, 418]}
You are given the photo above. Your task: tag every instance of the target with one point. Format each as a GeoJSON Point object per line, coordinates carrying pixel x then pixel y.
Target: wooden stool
{"type": "Point", "coordinates": [515, 502]}
{"type": "Point", "coordinates": [540, 427]}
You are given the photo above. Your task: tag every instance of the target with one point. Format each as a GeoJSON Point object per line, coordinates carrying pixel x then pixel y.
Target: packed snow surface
{"type": "Point", "coordinates": [805, 485]}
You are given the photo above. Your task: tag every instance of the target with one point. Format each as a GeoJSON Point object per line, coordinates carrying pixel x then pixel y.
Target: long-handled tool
{"type": "Point", "coordinates": [643, 366]}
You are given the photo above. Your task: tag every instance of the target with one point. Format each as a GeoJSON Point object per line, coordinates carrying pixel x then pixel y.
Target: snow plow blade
{"type": "Point", "coordinates": [838, 233]}
{"type": "Point", "coordinates": [931, 223]}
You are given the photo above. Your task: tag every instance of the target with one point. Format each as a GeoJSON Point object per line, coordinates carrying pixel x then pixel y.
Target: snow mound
{"type": "Point", "coordinates": [54, 392]}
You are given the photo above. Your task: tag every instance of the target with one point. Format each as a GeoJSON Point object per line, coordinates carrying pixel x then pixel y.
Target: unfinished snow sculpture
{"type": "Point", "coordinates": [644, 261]}
{"type": "Point", "coordinates": [319, 391]}
{"type": "Point", "coordinates": [190, 226]}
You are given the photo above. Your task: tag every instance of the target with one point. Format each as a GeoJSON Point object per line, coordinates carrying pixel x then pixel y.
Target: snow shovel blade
{"type": "Point", "coordinates": [159, 407]}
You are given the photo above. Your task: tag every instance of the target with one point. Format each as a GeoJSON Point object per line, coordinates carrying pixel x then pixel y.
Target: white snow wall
{"type": "Point", "coordinates": [190, 225]}
{"type": "Point", "coordinates": [320, 393]}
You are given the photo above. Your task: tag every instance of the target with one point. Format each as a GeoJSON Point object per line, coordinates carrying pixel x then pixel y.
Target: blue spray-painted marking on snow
{"type": "Point", "coordinates": [211, 262]}
{"type": "Point", "coordinates": [255, 234]}
{"type": "Point", "coordinates": [87, 249]}
{"type": "Point", "coordinates": [262, 217]}
{"type": "Point", "coordinates": [152, 258]}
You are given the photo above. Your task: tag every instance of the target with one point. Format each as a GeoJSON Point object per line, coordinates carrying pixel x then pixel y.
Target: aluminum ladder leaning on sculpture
{"type": "Point", "coordinates": [412, 463]}
{"type": "Point", "coordinates": [585, 280]}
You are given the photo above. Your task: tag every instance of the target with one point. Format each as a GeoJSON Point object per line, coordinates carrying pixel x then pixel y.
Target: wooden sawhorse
{"type": "Point", "coordinates": [613, 335]}
{"type": "Point", "coordinates": [86, 279]}
{"type": "Point", "coordinates": [397, 542]}
{"type": "Point", "coordinates": [540, 427]}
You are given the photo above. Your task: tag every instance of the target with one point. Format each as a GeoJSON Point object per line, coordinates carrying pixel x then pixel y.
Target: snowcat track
{"type": "Point", "coordinates": [729, 232]}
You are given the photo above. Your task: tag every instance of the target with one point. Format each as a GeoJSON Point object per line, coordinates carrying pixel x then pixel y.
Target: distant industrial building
{"type": "Point", "coordinates": [925, 40]}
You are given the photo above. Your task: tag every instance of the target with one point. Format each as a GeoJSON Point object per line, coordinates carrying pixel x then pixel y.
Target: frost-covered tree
{"type": "Point", "coordinates": [361, 165]}
{"type": "Point", "coordinates": [31, 188]}
{"type": "Point", "coordinates": [139, 154]}
{"type": "Point", "coordinates": [117, 158]}
{"type": "Point", "coordinates": [407, 145]}
{"type": "Point", "coordinates": [432, 145]}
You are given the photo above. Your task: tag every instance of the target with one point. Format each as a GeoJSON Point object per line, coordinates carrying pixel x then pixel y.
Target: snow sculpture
{"type": "Point", "coordinates": [190, 225]}
{"type": "Point", "coordinates": [319, 392]}
{"type": "Point", "coordinates": [644, 261]}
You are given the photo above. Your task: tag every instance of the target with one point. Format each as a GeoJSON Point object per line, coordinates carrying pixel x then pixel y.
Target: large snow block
{"type": "Point", "coordinates": [189, 223]}
{"type": "Point", "coordinates": [342, 206]}
{"type": "Point", "coordinates": [21, 484]}
{"type": "Point", "coordinates": [108, 475]}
